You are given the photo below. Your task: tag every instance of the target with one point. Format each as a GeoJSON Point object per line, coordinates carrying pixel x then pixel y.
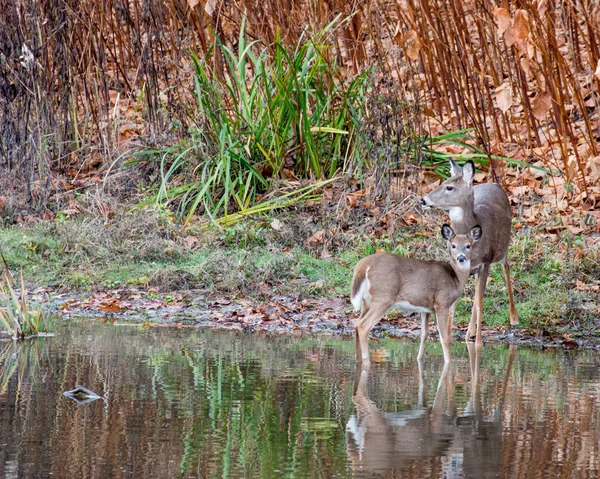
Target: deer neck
{"type": "Point", "coordinates": [463, 217]}
{"type": "Point", "coordinates": [462, 274]}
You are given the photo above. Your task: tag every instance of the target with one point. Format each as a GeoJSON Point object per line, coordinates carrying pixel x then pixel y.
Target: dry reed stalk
{"type": "Point", "coordinates": [86, 54]}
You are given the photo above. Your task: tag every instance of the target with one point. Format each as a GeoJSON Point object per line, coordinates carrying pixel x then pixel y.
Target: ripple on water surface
{"type": "Point", "coordinates": [205, 403]}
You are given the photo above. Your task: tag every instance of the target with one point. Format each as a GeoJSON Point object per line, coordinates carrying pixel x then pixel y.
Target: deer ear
{"type": "Point", "coordinates": [447, 232]}
{"type": "Point", "coordinates": [475, 233]}
{"type": "Point", "coordinates": [455, 168]}
{"type": "Point", "coordinates": [468, 173]}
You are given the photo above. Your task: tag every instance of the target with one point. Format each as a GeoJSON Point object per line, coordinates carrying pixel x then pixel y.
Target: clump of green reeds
{"type": "Point", "coordinates": [18, 317]}
{"type": "Point", "coordinates": [276, 112]}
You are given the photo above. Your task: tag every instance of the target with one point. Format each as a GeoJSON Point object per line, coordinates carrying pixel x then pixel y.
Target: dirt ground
{"type": "Point", "coordinates": [283, 315]}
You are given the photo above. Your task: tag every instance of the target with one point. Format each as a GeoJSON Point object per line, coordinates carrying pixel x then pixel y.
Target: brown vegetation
{"type": "Point", "coordinates": [83, 82]}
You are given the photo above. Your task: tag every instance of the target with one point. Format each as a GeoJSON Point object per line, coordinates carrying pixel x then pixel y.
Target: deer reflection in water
{"type": "Point", "coordinates": [467, 444]}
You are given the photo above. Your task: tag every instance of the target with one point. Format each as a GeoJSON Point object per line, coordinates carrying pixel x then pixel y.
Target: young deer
{"type": "Point", "coordinates": [486, 205]}
{"type": "Point", "coordinates": [384, 280]}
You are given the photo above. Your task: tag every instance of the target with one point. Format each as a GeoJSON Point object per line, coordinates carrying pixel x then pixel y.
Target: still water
{"type": "Point", "coordinates": [203, 403]}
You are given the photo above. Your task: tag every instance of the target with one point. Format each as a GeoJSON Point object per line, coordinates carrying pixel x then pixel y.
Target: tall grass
{"type": "Point", "coordinates": [81, 80]}
{"type": "Point", "coordinates": [277, 112]}
{"type": "Point", "coordinates": [17, 316]}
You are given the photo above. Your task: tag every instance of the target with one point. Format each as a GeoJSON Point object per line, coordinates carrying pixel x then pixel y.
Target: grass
{"type": "Point", "coordinates": [238, 261]}
{"type": "Point", "coordinates": [277, 110]}
{"type": "Point", "coordinates": [18, 317]}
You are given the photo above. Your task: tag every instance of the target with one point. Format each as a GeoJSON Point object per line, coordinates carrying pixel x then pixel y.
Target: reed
{"type": "Point", "coordinates": [18, 317]}
{"type": "Point", "coordinates": [283, 112]}
{"type": "Point", "coordinates": [83, 83]}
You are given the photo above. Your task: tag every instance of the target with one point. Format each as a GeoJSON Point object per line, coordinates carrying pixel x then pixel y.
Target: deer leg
{"type": "Point", "coordinates": [474, 329]}
{"type": "Point", "coordinates": [514, 317]}
{"type": "Point", "coordinates": [475, 362]}
{"type": "Point", "coordinates": [440, 400]}
{"type": "Point", "coordinates": [363, 311]}
{"type": "Point", "coordinates": [443, 317]}
{"type": "Point", "coordinates": [421, 398]}
{"type": "Point", "coordinates": [424, 334]}
{"type": "Point", "coordinates": [364, 325]}
{"type": "Point", "coordinates": [451, 318]}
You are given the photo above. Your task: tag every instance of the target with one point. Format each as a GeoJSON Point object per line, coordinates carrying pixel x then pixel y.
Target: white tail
{"type": "Point", "coordinates": [384, 280]}
{"type": "Point", "coordinates": [486, 205]}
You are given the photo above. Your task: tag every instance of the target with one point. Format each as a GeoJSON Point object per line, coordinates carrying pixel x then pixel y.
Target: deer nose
{"type": "Point", "coordinates": [422, 202]}
{"type": "Point", "coordinates": [461, 258]}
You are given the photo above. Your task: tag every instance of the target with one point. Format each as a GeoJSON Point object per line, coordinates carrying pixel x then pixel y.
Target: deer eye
{"type": "Point", "coordinates": [449, 188]}
{"type": "Point", "coordinates": [453, 246]}
{"type": "Point", "coordinates": [468, 246]}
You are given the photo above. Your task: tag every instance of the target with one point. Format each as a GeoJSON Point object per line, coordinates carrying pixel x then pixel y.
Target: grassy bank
{"type": "Point", "coordinates": [299, 254]}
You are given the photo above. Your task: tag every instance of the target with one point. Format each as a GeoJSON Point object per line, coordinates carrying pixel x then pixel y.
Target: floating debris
{"type": "Point", "coordinates": [81, 395]}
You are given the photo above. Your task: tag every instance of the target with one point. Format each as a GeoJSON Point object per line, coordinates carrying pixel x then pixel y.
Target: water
{"type": "Point", "coordinates": [194, 403]}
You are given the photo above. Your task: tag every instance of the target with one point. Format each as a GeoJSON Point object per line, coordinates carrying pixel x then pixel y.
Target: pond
{"type": "Point", "coordinates": [203, 403]}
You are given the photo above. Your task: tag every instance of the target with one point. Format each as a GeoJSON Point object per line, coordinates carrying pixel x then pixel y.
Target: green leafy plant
{"type": "Point", "coordinates": [282, 112]}
{"type": "Point", "coordinates": [425, 148]}
{"type": "Point", "coordinates": [18, 317]}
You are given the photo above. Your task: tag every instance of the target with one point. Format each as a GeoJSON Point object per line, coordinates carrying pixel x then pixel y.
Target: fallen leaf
{"type": "Point", "coordinates": [190, 241]}
{"type": "Point", "coordinates": [111, 307]}
{"type": "Point", "coordinates": [504, 97]}
{"type": "Point", "coordinates": [276, 225]}
{"type": "Point", "coordinates": [502, 18]}
{"type": "Point", "coordinates": [210, 6]}
{"type": "Point", "coordinates": [518, 32]}
{"type": "Point", "coordinates": [316, 239]}
{"type": "Point", "coordinates": [411, 45]}
{"type": "Point", "coordinates": [326, 255]}
{"type": "Point", "coordinates": [594, 165]}
{"type": "Point", "coordinates": [541, 105]}
{"type": "Point", "coordinates": [542, 7]}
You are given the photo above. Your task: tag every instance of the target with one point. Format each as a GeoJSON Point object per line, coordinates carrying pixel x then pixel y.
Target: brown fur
{"type": "Point", "coordinates": [486, 205]}
{"type": "Point", "coordinates": [384, 280]}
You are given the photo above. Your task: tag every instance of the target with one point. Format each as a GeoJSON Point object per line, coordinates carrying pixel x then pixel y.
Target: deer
{"type": "Point", "coordinates": [486, 205]}
{"type": "Point", "coordinates": [383, 281]}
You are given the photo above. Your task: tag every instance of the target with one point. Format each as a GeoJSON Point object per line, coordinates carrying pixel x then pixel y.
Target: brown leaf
{"type": "Point", "coordinates": [504, 97]}
{"type": "Point", "coordinates": [211, 6]}
{"type": "Point", "coordinates": [597, 72]}
{"type": "Point", "coordinates": [518, 32]}
{"type": "Point", "coordinates": [111, 307]}
{"type": "Point", "coordinates": [479, 177]}
{"type": "Point", "coordinates": [542, 7]}
{"type": "Point", "coordinates": [276, 225]}
{"type": "Point", "coordinates": [190, 241]}
{"type": "Point", "coordinates": [316, 239]}
{"type": "Point", "coordinates": [351, 198]}
{"type": "Point", "coordinates": [502, 18]}
{"type": "Point", "coordinates": [594, 165]}
{"type": "Point", "coordinates": [541, 105]}
{"type": "Point", "coordinates": [411, 44]}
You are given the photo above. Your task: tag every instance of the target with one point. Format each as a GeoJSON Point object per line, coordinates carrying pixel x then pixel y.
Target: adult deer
{"type": "Point", "coordinates": [384, 280]}
{"type": "Point", "coordinates": [486, 205]}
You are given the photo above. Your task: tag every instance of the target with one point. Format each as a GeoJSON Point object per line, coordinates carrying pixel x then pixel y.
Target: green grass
{"type": "Point", "coordinates": [276, 108]}
{"type": "Point", "coordinates": [238, 260]}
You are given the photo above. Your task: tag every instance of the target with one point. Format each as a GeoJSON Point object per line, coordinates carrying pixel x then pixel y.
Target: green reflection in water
{"type": "Point", "coordinates": [206, 403]}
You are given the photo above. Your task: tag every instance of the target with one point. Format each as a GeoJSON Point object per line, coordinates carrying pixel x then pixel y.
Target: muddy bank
{"type": "Point", "coordinates": [280, 315]}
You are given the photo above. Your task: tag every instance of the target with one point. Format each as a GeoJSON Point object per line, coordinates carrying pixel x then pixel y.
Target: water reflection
{"type": "Point", "coordinates": [189, 403]}
{"type": "Point", "coordinates": [378, 441]}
